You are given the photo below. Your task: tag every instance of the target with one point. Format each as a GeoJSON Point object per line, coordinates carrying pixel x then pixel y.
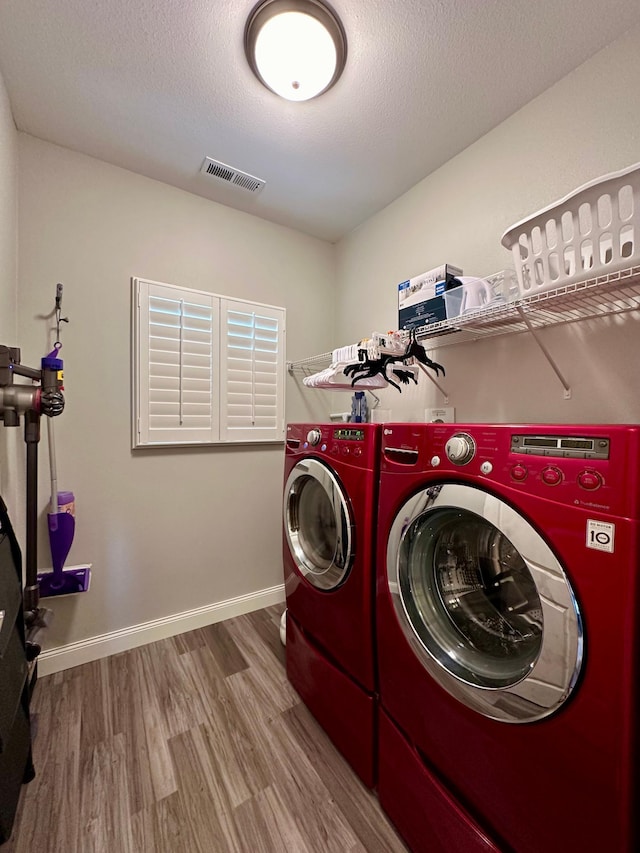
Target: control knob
{"type": "Point", "coordinates": [551, 476]}
{"type": "Point", "coordinates": [589, 480]}
{"type": "Point", "coordinates": [314, 436]}
{"type": "Point", "coordinates": [460, 448]}
{"type": "Point", "coordinates": [519, 472]}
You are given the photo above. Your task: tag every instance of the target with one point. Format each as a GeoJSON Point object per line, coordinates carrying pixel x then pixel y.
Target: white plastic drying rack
{"type": "Point", "coordinates": [614, 293]}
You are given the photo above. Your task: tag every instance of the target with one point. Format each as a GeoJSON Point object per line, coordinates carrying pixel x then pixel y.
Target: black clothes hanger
{"type": "Point", "coordinates": [417, 351]}
{"type": "Point", "coordinates": [374, 366]}
{"type": "Point", "coordinates": [367, 367]}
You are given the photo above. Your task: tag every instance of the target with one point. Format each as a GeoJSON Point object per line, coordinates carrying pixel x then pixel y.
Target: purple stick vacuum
{"type": "Point", "coordinates": [62, 524]}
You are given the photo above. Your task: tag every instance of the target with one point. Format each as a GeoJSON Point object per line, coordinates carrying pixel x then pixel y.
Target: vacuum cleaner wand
{"type": "Point", "coordinates": [31, 401]}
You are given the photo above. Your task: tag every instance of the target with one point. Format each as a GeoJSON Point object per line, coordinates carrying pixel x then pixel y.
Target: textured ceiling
{"type": "Point", "coordinates": [154, 86]}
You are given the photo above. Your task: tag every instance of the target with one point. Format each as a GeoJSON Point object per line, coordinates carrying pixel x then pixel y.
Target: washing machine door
{"type": "Point", "coordinates": [484, 603]}
{"type": "Point", "coordinates": [318, 524]}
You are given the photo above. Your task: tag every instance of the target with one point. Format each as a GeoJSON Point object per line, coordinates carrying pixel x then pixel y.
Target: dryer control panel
{"type": "Point", "coordinates": [561, 446]}
{"type": "Point", "coordinates": [355, 445]}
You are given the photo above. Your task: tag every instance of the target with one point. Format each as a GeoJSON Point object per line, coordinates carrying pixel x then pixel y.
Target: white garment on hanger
{"type": "Point", "coordinates": [345, 355]}
{"type": "Point", "coordinates": [334, 378]}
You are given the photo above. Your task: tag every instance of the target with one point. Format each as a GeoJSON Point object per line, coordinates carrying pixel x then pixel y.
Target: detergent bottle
{"type": "Point", "coordinates": [359, 408]}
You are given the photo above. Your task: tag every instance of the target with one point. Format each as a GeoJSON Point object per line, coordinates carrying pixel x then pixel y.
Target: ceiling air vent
{"type": "Point", "coordinates": [229, 175]}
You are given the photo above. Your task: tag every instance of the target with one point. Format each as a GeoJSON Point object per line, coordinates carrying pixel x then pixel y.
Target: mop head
{"type": "Point", "coordinates": [62, 581]}
{"type": "Point", "coordinates": [67, 582]}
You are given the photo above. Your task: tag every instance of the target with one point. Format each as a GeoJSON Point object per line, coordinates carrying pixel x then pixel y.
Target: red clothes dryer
{"type": "Point", "coordinates": [507, 635]}
{"type": "Point", "coordinates": [329, 510]}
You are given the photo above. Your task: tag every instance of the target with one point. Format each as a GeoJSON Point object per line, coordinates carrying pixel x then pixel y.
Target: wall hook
{"type": "Point", "coordinates": [58, 312]}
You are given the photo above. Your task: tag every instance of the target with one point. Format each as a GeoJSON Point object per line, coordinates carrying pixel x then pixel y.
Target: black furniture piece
{"type": "Point", "coordinates": [16, 766]}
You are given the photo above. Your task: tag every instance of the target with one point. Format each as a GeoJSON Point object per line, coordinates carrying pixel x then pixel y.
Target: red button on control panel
{"type": "Point", "coordinates": [552, 476]}
{"type": "Point", "coordinates": [519, 472]}
{"type": "Point", "coordinates": [590, 480]}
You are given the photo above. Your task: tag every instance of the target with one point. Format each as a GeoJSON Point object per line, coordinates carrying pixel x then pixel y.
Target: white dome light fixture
{"type": "Point", "coordinates": [296, 48]}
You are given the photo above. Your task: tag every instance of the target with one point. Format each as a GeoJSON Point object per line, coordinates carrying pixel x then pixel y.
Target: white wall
{"type": "Point", "coordinates": [9, 439]}
{"type": "Point", "coordinates": [585, 126]}
{"type": "Point", "coordinates": [166, 530]}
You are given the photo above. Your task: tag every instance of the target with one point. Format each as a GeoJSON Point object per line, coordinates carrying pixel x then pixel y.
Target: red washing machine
{"type": "Point", "coordinates": [330, 502]}
{"type": "Point", "coordinates": [508, 617]}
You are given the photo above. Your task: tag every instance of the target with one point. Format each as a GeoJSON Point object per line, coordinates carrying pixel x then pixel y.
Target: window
{"type": "Point", "coordinates": [206, 369]}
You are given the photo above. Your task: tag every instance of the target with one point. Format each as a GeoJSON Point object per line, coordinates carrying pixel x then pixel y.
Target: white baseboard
{"type": "Point", "coordinates": [93, 648]}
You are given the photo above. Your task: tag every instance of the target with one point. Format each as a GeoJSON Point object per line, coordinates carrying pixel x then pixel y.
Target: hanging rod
{"type": "Point", "coordinates": [304, 364]}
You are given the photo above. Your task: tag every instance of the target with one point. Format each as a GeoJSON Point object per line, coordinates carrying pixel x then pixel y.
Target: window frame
{"type": "Point", "coordinates": [225, 383]}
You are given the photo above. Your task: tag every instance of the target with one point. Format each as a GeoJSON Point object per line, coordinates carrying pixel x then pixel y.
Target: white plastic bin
{"type": "Point", "coordinates": [591, 232]}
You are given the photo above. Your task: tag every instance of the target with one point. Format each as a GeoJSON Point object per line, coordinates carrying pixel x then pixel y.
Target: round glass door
{"type": "Point", "coordinates": [485, 603]}
{"type": "Point", "coordinates": [318, 524]}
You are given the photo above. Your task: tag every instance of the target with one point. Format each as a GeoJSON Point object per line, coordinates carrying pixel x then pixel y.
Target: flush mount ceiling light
{"type": "Point", "coordinates": [296, 48]}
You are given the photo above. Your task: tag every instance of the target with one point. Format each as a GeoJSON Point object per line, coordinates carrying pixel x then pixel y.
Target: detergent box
{"type": "Point", "coordinates": [421, 299]}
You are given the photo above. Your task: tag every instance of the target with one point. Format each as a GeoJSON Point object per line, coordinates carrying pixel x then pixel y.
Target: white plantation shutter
{"type": "Point", "coordinates": [251, 371]}
{"type": "Point", "coordinates": [186, 351]}
{"type": "Point", "coordinates": [177, 344]}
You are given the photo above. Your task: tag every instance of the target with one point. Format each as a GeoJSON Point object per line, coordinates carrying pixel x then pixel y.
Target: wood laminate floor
{"type": "Point", "coordinates": [194, 743]}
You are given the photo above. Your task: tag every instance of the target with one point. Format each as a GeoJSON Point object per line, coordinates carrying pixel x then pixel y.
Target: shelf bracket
{"type": "Point", "coordinates": [435, 382]}
{"type": "Point", "coordinates": [545, 352]}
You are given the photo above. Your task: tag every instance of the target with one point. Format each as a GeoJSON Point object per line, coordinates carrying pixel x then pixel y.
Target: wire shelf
{"type": "Point", "coordinates": [614, 293]}
{"type": "Point", "coordinates": [311, 364]}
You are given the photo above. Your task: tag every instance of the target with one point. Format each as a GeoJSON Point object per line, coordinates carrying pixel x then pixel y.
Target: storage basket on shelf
{"type": "Point", "coordinates": [591, 232]}
{"type": "Point", "coordinates": [473, 294]}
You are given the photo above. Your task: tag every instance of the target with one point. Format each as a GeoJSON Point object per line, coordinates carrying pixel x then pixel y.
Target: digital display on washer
{"type": "Point", "coordinates": [531, 441]}
{"type": "Point", "coordinates": [577, 447]}
{"type": "Point", "coordinates": [577, 443]}
{"type": "Point", "coordinates": [349, 433]}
